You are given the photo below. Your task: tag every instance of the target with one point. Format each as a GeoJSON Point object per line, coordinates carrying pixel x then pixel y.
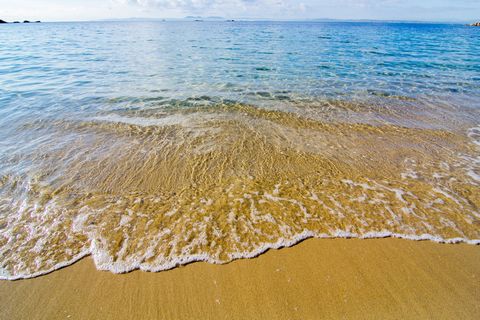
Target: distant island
{"type": "Point", "coordinates": [25, 21]}
{"type": "Point", "coordinates": [476, 24]}
{"type": "Point", "coordinates": [196, 18]}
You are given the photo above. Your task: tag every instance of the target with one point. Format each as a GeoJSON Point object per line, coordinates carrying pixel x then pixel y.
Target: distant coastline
{"type": "Point", "coordinates": [249, 19]}
{"type": "Point", "coordinates": [24, 21]}
{"type": "Point", "coordinates": [221, 19]}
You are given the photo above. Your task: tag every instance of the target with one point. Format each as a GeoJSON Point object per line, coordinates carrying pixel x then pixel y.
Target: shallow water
{"type": "Point", "coordinates": [149, 145]}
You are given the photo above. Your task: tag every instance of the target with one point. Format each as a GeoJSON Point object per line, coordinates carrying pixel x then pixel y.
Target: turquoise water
{"type": "Point", "coordinates": [98, 114]}
{"type": "Point", "coordinates": [80, 63]}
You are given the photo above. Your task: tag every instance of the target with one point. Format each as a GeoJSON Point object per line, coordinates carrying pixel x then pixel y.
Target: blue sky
{"type": "Point", "coordinates": [59, 10]}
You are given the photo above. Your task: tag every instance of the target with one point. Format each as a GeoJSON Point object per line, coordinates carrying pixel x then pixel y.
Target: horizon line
{"type": "Point", "coordinates": [245, 19]}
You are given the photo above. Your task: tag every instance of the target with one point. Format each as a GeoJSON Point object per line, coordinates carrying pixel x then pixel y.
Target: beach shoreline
{"type": "Point", "coordinates": [317, 278]}
{"type": "Point", "coordinates": [250, 170]}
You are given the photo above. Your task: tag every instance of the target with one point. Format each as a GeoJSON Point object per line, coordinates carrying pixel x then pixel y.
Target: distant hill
{"type": "Point", "coordinates": [1, 21]}
{"type": "Point", "coordinates": [211, 18]}
{"type": "Point", "coordinates": [243, 18]}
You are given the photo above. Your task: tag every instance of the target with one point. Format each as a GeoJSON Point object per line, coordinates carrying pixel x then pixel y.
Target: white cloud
{"type": "Point", "coordinates": [234, 8]}
{"type": "Point", "coordinates": [206, 4]}
{"type": "Point", "coordinates": [184, 4]}
{"type": "Point", "coordinates": [273, 9]}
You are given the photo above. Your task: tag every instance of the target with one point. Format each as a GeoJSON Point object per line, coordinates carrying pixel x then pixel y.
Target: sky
{"type": "Point", "coordinates": [75, 10]}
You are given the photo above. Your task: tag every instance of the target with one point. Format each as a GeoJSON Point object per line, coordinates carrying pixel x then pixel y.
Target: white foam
{"type": "Point", "coordinates": [4, 275]}
{"type": "Point", "coordinates": [473, 163]}
{"type": "Point", "coordinates": [104, 261]}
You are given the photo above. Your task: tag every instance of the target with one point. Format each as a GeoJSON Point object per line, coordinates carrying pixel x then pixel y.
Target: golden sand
{"type": "Point", "coordinates": [317, 279]}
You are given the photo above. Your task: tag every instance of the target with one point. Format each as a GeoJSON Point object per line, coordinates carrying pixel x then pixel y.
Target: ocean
{"type": "Point", "coordinates": [149, 145]}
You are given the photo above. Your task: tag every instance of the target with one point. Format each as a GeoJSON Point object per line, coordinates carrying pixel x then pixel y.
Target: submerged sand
{"type": "Point", "coordinates": [316, 279]}
{"type": "Point", "coordinates": [154, 188]}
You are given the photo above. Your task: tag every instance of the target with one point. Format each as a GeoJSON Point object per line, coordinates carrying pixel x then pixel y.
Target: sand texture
{"type": "Point", "coordinates": [316, 279]}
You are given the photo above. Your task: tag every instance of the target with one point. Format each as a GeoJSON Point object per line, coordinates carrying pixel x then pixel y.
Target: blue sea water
{"type": "Point", "coordinates": [78, 64]}
{"type": "Point", "coordinates": [62, 85]}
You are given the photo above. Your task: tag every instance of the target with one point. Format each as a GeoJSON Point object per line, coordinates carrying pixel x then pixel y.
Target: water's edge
{"type": "Point", "coordinates": [281, 243]}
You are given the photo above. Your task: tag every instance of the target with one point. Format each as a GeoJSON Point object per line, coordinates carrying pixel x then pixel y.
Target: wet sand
{"type": "Point", "coordinates": [228, 181]}
{"type": "Point", "coordinates": [316, 279]}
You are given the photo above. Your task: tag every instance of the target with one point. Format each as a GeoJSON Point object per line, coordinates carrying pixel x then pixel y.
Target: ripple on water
{"type": "Point", "coordinates": [149, 145]}
{"type": "Point", "coordinates": [217, 183]}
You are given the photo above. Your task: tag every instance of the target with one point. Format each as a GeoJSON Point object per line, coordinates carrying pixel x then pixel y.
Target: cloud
{"type": "Point", "coordinates": [306, 9]}
{"type": "Point", "coordinates": [185, 4]}
{"type": "Point", "coordinates": [62, 10]}
{"type": "Point", "coordinates": [214, 6]}
{"type": "Point", "coordinates": [208, 4]}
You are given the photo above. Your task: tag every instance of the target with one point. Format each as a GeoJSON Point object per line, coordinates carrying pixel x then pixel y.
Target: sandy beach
{"type": "Point", "coordinates": [316, 279]}
{"type": "Point", "coordinates": [321, 160]}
